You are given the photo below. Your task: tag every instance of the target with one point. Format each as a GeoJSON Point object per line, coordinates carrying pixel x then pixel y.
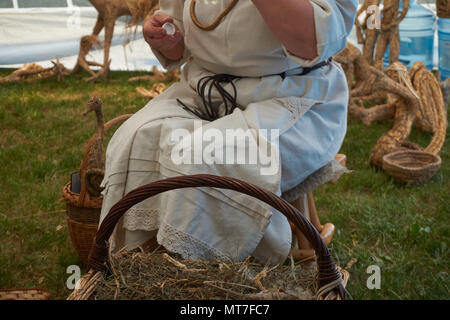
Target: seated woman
{"type": "Point", "coordinates": [259, 100]}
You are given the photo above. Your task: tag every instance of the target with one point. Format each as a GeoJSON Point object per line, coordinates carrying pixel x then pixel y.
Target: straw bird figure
{"type": "Point", "coordinates": [94, 173]}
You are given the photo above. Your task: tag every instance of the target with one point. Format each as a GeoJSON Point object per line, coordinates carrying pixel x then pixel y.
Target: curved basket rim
{"type": "Point", "coordinates": [44, 292]}
{"type": "Point", "coordinates": [390, 162]}
{"type": "Point", "coordinates": [72, 198]}
{"type": "Point", "coordinates": [327, 272]}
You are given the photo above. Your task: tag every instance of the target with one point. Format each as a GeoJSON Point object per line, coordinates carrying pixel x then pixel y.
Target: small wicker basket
{"type": "Point", "coordinates": [331, 280]}
{"type": "Point", "coordinates": [411, 166]}
{"type": "Point", "coordinates": [83, 211]}
{"type": "Point", "coordinates": [24, 294]}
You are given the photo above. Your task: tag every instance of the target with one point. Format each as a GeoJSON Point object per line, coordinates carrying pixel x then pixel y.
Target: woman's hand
{"type": "Point", "coordinates": [171, 46]}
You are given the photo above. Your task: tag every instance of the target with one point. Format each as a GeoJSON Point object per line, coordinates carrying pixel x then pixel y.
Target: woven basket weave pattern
{"type": "Point", "coordinates": [411, 166]}
{"type": "Point", "coordinates": [83, 211]}
{"type": "Point", "coordinates": [24, 294]}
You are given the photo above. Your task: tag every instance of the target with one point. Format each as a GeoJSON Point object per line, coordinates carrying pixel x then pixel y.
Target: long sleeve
{"type": "Point", "coordinates": [333, 21]}
{"type": "Point", "coordinates": [173, 8]}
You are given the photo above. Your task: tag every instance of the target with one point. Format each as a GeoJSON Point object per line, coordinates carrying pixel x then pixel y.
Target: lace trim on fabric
{"type": "Point", "coordinates": [187, 246]}
{"type": "Point", "coordinates": [327, 173]}
{"type": "Point", "coordinates": [141, 219]}
{"type": "Point", "coordinates": [295, 105]}
{"type": "Point", "coordinates": [171, 238]}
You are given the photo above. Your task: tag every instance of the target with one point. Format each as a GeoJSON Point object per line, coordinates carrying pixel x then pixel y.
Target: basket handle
{"type": "Point", "coordinates": [328, 275]}
{"type": "Point", "coordinates": [84, 197]}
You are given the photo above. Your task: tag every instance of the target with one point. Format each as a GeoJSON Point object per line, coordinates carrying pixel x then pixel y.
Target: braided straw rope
{"type": "Point", "coordinates": [216, 22]}
{"type": "Point", "coordinates": [329, 277]}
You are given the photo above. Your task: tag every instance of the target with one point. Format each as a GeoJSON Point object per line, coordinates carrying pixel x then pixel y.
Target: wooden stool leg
{"type": "Point", "coordinates": [303, 250]}
{"type": "Point", "coordinates": [327, 230]}
{"type": "Point", "coordinates": [314, 217]}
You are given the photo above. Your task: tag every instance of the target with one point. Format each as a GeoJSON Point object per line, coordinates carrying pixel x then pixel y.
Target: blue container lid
{"type": "Point", "coordinates": [444, 23]}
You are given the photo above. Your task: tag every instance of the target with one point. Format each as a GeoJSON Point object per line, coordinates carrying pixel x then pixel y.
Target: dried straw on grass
{"type": "Point", "coordinates": [158, 275]}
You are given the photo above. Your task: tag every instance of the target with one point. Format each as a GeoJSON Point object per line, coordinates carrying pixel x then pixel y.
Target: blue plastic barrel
{"type": "Point", "coordinates": [416, 36]}
{"type": "Point", "coordinates": [444, 47]}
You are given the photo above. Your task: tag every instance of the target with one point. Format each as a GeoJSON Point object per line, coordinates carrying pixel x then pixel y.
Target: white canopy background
{"type": "Point", "coordinates": [43, 30]}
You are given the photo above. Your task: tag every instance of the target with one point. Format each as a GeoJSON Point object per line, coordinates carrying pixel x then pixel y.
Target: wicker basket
{"type": "Point", "coordinates": [331, 280]}
{"type": "Point", "coordinates": [24, 294]}
{"type": "Point", "coordinates": [443, 8]}
{"type": "Point", "coordinates": [411, 166]}
{"type": "Point", "coordinates": [83, 211]}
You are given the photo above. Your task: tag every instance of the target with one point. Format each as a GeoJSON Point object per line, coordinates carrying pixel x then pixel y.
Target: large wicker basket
{"type": "Point", "coordinates": [331, 280]}
{"type": "Point", "coordinates": [83, 211]}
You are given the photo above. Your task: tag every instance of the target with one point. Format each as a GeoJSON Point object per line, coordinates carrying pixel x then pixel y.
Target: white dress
{"type": "Point", "coordinates": [309, 112]}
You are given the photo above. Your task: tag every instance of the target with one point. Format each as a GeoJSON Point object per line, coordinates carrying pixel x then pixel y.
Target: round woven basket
{"type": "Point", "coordinates": [411, 166]}
{"type": "Point", "coordinates": [443, 8]}
{"type": "Point", "coordinates": [329, 277]}
{"type": "Point", "coordinates": [82, 210]}
{"type": "Point", "coordinates": [24, 294]}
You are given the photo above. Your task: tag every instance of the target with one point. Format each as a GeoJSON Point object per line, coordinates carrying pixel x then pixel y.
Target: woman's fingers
{"type": "Point", "coordinates": [153, 26]}
{"type": "Point", "coordinates": [160, 18]}
{"type": "Point", "coordinates": [167, 42]}
{"type": "Point", "coordinates": [156, 36]}
{"type": "Point", "coordinates": [154, 33]}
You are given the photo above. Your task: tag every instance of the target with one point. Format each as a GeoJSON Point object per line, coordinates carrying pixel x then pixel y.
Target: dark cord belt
{"type": "Point", "coordinates": [206, 84]}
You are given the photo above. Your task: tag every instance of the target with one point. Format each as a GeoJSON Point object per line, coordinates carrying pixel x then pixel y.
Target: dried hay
{"type": "Point", "coordinates": [158, 76]}
{"type": "Point", "coordinates": [158, 275]}
{"type": "Point", "coordinates": [32, 72]}
{"type": "Point", "coordinates": [155, 91]}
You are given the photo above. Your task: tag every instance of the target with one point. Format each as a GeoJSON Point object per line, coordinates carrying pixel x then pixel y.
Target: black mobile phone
{"type": "Point", "coordinates": [75, 182]}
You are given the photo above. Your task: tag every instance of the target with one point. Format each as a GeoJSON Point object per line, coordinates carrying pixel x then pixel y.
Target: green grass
{"type": "Point", "coordinates": [403, 229]}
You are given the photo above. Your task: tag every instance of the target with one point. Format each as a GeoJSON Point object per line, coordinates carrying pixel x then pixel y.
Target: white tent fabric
{"type": "Point", "coordinates": [43, 30]}
{"type": "Point", "coordinates": [43, 34]}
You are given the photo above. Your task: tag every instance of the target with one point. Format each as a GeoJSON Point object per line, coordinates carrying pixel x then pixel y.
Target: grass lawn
{"type": "Point", "coordinates": [402, 229]}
